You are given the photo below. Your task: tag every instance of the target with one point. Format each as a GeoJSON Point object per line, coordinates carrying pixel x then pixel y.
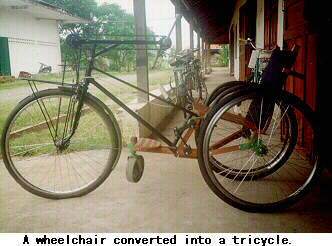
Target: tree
{"type": "Point", "coordinates": [82, 8]}
{"type": "Point", "coordinates": [108, 21]}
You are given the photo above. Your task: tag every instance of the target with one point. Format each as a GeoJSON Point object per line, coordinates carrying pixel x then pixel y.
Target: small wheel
{"type": "Point", "coordinates": [135, 168]}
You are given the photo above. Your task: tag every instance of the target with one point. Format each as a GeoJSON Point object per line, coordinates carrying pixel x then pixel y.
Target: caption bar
{"type": "Point", "coordinates": [266, 239]}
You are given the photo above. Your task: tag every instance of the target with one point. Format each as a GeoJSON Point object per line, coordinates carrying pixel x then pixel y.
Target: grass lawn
{"type": "Point", "coordinates": [124, 92]}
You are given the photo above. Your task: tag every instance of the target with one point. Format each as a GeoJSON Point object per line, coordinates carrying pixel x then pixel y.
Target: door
{"type": "Point", "coordinates": [4, 57]}
{"type": "Point", "coordinates": [298, 31]}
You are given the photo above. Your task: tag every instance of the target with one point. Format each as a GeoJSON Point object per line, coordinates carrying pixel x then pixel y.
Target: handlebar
{"type": "Point", "coordinates": [188, 52]}
{"type": "Point", "coordinates": [243, 40]}
{"type": "Point", "coordinates": [249, 41]}
{"type": "Point", "coordinates": [76, 41]}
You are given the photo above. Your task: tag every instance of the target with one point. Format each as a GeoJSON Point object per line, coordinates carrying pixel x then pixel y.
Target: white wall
{"type": "Point", "coordinates": [30, 41]}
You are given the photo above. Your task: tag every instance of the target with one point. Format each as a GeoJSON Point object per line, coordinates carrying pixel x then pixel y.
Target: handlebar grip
{"type": "Point", "coordinates": [243, 40]}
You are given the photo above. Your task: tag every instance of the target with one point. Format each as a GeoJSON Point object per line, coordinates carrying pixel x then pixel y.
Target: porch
{"type": "Point", "coordinates": [171, 197]}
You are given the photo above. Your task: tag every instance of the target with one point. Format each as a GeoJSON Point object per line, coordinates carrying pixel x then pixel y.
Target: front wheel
{"type": "Point", "coordinates": [38, 155]}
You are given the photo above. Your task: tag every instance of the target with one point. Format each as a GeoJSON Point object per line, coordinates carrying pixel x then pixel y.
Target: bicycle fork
{"type": "Point", "coordinates": [82, 91]}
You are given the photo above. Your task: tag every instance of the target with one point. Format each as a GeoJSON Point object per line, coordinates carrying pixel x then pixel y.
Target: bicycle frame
{"type": "Point", "coordinates": [190, 124]}
{"type": "Point", "coordinates": [88, 79]}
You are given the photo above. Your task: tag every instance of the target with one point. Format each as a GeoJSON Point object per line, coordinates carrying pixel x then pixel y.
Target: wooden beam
{"type": "Point", "coordinates": [237, 119]}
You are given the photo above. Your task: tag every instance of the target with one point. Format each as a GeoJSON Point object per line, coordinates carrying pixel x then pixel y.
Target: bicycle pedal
{"type": "Point", "coordinates": [147, 144]}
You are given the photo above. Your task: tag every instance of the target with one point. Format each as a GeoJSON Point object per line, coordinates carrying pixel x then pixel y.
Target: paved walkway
{"type": "Point", "coordinates": [171, 197]}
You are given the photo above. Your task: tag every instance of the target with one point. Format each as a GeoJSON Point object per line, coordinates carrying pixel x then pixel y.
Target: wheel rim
{"type": "Point", "coordinates": [262, 181]}
{"type": "Point", "coordinates": [59, 169]}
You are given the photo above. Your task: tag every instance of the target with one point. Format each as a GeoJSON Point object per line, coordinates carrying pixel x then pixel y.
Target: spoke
{"type": "Point", "coordinates": [26, 151]}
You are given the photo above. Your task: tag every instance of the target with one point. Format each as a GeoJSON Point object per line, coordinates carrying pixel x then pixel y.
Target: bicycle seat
{"type": "Point", "coordinates": [279, 60]}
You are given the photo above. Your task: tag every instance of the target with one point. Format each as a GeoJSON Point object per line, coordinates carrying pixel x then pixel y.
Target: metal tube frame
{"type": "Point", "coordinates": [83, 88]}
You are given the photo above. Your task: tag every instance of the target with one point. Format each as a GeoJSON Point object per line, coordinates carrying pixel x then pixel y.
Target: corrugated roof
{"type": "Point", "coordinates": [42, 10]}
{"type": "Point", "coordinates": [213, 18]}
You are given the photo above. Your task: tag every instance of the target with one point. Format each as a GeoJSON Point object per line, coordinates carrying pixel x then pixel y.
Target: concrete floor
{"type": "Point", "coordinates": [171, 197]}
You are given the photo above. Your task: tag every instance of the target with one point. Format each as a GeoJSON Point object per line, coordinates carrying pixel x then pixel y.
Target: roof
{"type": "Point", "coordinates": [42, 10]}
{"type": "Point", "coordinates": [213, 18]}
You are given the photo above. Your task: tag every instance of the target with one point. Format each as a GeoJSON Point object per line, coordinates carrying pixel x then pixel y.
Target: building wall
{"type": "Point", "coordinates": [30, 41]}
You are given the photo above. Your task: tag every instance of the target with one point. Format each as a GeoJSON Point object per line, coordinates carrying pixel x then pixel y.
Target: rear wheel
{"type": "Point", "coordinates": [38, 155]}
{"type": "Point", "coordinates": [257, 151]}
{"type": "Point", "coordinates": [197, 90]}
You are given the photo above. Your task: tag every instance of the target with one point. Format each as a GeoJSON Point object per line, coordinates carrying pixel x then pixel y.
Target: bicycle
{"type": "Point", "coordinates": [180, 89]}
{"type": "Point", "coordinates": [258, 61]}
{"type": "Point", "coordinates": [64, 142]}
{"type": "Point", "coordinates": [189, 84]}
{"type": "Point", "coordinates": [197, 89]}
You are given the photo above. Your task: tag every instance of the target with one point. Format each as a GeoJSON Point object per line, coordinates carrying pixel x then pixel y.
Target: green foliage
{"type": "Point", "coordinates": [222, 57]}
{"type": "Point", "coordinates": [82, 8]}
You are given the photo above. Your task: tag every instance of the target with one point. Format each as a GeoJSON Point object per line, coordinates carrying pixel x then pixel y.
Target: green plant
{"type": "Point", "coordinates": [222, 57]}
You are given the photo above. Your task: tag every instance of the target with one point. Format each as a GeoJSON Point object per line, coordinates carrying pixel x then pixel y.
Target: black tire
{"type": "Point", "coordinates": [220, 89]}
{"type": "Point", "coordinates": [34, 152]}
{"type": "Point", "coordinates": [254, 180]}
{"type": "Point", "coordinates": [202, 88]}
{"type": "Point", "coordinates": [197, 90]}
{"type": "Point", "coordinates": [183, 104]}
{"type": "Point", "coordinates": [190, 85]}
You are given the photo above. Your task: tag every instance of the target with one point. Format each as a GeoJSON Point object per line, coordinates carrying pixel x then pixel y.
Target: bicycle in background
{"type": "Point", "coordinates": [258, 61]}
{"type": "Point", "coordinates": [197, 89]}
{"type": "Point", "coordinates": [189, 84]}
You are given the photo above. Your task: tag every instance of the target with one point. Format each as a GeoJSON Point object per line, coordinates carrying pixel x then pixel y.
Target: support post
{"type": "Point", "coordinates": [178, 31]}
{"type": "Point", "coordinates": [199, 44]}
{"type": "Point", "coordinates": [141, 53]}
{"type": "Point", "coordinates": [203, 57]}
{"type": "Point", "coordinates": [191, 32]}
{"type": "Point", "coordinates": [208, 59]}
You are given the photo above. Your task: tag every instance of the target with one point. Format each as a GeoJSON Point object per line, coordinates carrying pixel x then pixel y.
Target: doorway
{"type": "Point", "coordinates": [4, 57]}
